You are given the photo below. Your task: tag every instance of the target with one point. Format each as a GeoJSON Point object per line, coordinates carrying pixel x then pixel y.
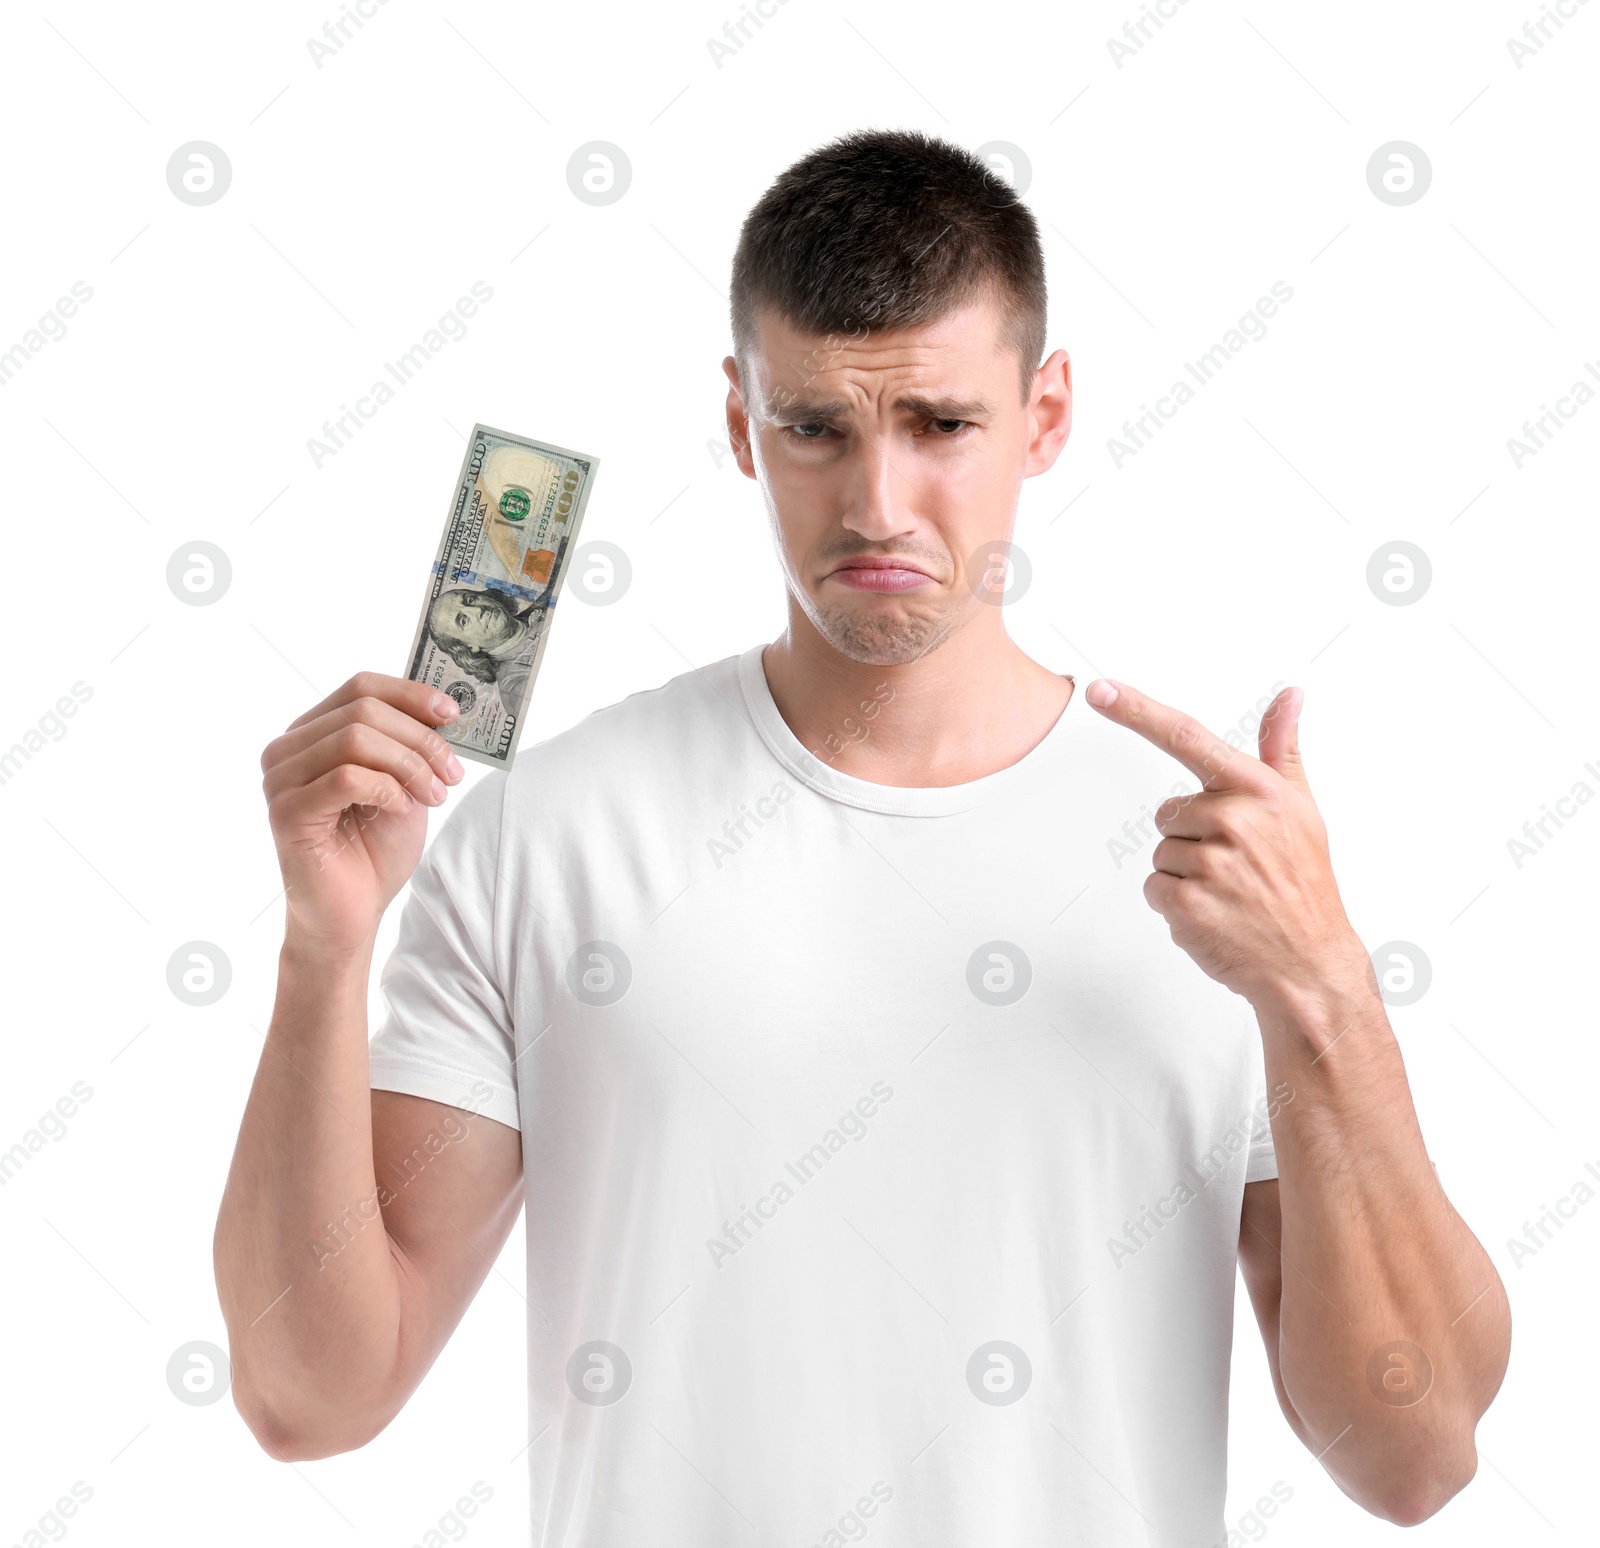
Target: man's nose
{"type": "Point", "coordinates": [881, 499]}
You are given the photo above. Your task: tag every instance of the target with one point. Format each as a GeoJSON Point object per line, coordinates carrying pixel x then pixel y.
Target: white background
{"type": "Point", "coordinates": [429, 152]}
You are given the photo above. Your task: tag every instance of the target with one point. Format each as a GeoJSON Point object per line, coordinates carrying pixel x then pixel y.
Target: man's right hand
{"type": "Point", "coordinates": [348, 786]}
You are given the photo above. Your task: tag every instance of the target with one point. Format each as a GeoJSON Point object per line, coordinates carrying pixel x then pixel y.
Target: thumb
{"type": "Point", "coordinates": [1280, 738]}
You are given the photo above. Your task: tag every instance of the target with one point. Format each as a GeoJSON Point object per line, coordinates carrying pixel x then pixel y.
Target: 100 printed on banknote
{"type": "Point", "coordinates": [491, 595]}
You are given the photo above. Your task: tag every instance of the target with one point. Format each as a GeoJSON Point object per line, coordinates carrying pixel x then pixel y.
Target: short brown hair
{"type": "Point", "coordinates": [889, 228]}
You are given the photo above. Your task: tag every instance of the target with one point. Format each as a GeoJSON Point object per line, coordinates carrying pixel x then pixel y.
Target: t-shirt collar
{"type": "Point", "coordinates": [894, 800]}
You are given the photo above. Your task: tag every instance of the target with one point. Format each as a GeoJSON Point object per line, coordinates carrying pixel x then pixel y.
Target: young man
{"type": "Point", "coordinates": [886, 1161]}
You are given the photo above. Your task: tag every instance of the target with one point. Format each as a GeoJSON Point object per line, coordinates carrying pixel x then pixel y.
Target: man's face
{"type": "Point", "coordinates": [470, 618]}
{"type": "Point", "coordinates": [903, 450]}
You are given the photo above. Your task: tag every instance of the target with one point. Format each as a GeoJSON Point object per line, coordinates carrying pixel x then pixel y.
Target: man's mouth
{"type": "Point", "coordinates": [867, 573]}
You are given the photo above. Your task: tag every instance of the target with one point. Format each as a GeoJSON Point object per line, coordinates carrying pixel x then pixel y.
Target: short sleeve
{"type": "Point", "coordinates": [448, 1033]}
{"type": "Point", "coordinates": [1262, 1164]}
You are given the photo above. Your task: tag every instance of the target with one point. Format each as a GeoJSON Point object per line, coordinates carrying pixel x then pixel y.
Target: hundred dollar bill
{"type": "Point", "coordinates": [490, 599]}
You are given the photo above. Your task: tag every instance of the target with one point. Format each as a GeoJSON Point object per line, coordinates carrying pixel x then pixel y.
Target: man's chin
{"type": "Point", "coordinates": [882, 639]}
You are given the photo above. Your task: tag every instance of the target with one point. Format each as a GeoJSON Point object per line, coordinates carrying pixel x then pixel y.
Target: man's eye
{"type": "Point", "coordinates": [950, 428]}
{"type": "Point", "coordinates": [801, 432]}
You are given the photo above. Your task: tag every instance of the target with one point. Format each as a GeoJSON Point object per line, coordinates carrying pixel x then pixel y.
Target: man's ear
{"type": "Point", "coordinates": [738, 420]}
{"type": "Point", "coordinates": [1050, 413]}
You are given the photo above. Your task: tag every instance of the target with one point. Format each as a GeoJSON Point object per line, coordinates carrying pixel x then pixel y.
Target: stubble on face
{"type": "Point", "coordinates": [879, 634]}
{"type": "Point", "coordinates": [882, 629]}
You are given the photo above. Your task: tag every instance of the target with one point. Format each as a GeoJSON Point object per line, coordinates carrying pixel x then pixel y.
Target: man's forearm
{"type": "Point", "coordinates": [305, 1270]}
{"type": "Point", "coordinates": [1394, 1329]}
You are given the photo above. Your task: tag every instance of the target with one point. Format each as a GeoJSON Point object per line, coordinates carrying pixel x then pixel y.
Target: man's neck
{"type": "Point", "coordinates": [973, 706]}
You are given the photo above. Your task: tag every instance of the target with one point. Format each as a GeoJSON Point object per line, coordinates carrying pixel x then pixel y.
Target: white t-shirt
{"type": "Point", "coordinates": [884, 1155]}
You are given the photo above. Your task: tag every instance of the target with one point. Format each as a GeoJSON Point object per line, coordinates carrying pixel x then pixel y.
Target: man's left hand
{"type": "Point", "coordinates": [1242, 874]}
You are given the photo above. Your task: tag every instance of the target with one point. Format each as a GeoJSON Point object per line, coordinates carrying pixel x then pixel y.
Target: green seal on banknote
{"type": "Point", "coordinates": [491, 591]}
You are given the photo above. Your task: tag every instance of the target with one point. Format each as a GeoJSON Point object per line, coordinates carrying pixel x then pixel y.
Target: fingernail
{"type": "Point", "coordinates": [444, 706]}
{"type": "Point", "coordinates": [453, 767]}
{"type": "Point", "coordinates": [439, 791]}
{"type": "Point", "coordinates": [1101, 693]}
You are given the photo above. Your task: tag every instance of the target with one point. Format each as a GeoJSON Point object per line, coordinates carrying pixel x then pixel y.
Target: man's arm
{"type": "Point", "coordinates": [356, 1225]}
{"type": "Point", "coordinates": [355, 1230]}
{"type": "Point", "coordinates": [1388, 1328]}
{"type": "Point", "coordinates": [1386, 1325]}
{"type": "Point", "coordinates": [1260, 1232]}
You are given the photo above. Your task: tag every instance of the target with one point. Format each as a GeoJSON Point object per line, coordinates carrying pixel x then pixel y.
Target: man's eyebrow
{"type": "Point", "coordinates": [789, 409]}
{"type": "Point", "coordinates": [942, 408]}
{"type": "Point", "coordinates": [786, 409]}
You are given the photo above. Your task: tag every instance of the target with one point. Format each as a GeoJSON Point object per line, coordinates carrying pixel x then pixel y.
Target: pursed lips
{"type": "Point", "coordinates": [873, 573]}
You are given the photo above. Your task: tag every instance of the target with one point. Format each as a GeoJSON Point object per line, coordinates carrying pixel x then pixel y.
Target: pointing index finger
{"type": "Point", "coordinates": [1206, 755]}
